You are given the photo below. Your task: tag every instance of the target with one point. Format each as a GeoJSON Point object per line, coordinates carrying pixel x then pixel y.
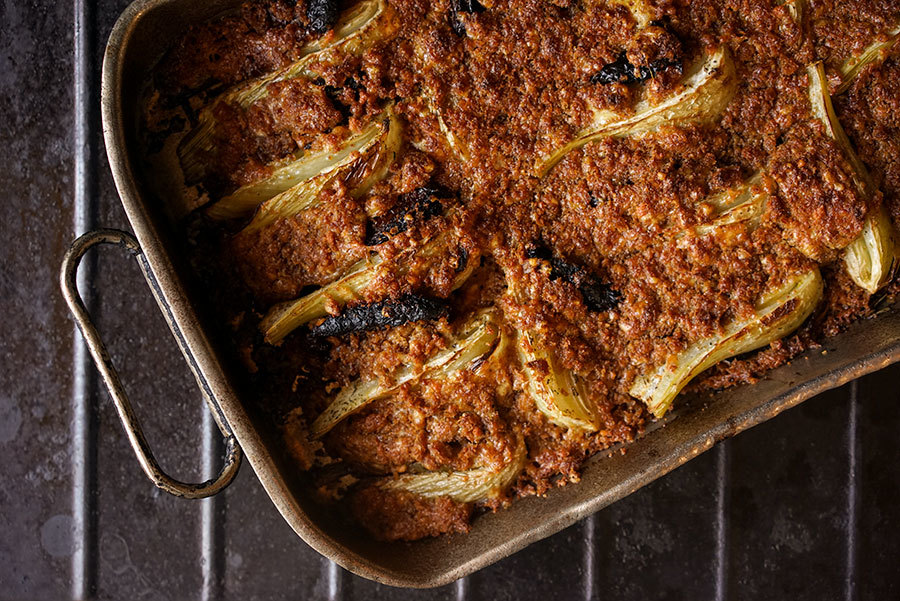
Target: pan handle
{"type": "Point", "coordinates": [110, 376]}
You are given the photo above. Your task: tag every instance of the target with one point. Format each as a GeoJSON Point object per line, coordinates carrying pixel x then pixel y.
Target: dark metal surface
{"type": "Point", "coordinates": [804, 506]}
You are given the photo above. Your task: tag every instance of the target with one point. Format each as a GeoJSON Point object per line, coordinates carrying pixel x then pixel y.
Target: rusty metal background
{"type": "Point", "coordinates": [804, 506]}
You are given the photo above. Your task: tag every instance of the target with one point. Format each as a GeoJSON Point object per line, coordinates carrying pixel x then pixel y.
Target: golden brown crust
{"type": "Point", "coordinates": [482, 97]}
{"type": "Point", "coordinates": [257, 39]}
{"type": "Point", "coordinates": [868, 112]}
{"type": "Point", "coordinates": [399, 515]}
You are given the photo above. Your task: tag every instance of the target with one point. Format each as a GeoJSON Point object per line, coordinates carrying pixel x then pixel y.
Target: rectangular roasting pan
{"type": "Point", "coordinates": [143, 32]}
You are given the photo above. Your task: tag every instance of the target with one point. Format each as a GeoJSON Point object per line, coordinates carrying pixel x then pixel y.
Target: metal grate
{"type": "Point", "coordinates": [804, 506]}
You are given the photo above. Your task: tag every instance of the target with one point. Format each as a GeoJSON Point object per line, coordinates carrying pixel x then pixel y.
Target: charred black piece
{"type": "Point", "coordinates": [656, 67]}
{"type": "Point", "coordinates": [337, 95]}
{"type": "Point", "coordinates": [380, 315]}
{"type": "Point", "coordinates": [462, 259]}
{"type": "Point", "coordinates": [622, 71]}
{"type": "Point", "coordinates": [463, 6]}
{"type": "Point", "coordinates": [334, 95]}
{"type": "Point", "coordinates": [597, 296]}
{"type": "Point", "coordinates": [419, 205]}
{"type": "Point", "coordinates": [321, 15]}
{"type": "Point", "coordinates": [468, 6]}
{"type": "Point", "coordinates": [353, 84]}
{"type": "Point", "coordinates": [618, 71]}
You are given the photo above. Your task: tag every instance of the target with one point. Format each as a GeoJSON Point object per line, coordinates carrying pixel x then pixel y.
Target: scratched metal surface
{"type": "Point", "coordinates": [806, 505]}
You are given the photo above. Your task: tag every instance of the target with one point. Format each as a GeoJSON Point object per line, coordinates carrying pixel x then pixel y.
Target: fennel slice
{"type": "Point", "coordinates": [467, 486]}
{"type": "Point", "coordinates": [640, 10]}
{"type": "Point", "coordinates": [870, 257]}
{"type": "Point", "coordinates": [284, 318]}
{"type": "Point", "coordinates": [357, 30]}
{"type": "Point", "coordinates": [360, 169]}
{"type": "Point", "coordinates": [478, 339]}
{"type": "Point", "coordinates": [706, 90]}
{"type": "Point", "coordinates": [744, 204]}
{"type": "Point", "coordinates": [823, 110]}
{"type": "Point", "coordinates": [558, 393]}
{"type": "Point", "coordinates": [875, 51]}
{"type": "Point", "coordinates": [777, 314]}
{"type": "Point", "coordinates": [796, 9]}
{"type": "Point", "coordinates": [353, 34]}
{"type": "Point", "coordinates": [247, 198]}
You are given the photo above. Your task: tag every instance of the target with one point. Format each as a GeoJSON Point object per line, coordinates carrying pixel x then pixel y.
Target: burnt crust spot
{"type": "Point", "coordinates": [419, 205]}
{"type": "Point", "coordinates": [597, 296]}
{"type": "Point", "coordinates": [622, 71]}
{"type": "Point", "coordinates": [463, 7]}
{"type": "Point", "coordinates": [380, 315]}
{"type": "Point", "coordinates": [321, 15]}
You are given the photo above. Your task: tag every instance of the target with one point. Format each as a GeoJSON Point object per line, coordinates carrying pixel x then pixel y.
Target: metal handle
{"type": "Point", "coordinates": [110, 376]}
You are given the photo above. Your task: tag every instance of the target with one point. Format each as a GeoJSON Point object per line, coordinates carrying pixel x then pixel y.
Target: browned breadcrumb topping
{"type": "Point", "coordinates": [482, 96]}
{"type": "Point", "coordinates": [399, 515]}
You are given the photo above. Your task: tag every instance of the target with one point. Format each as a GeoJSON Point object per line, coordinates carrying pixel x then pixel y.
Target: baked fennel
{"type": "Point", "coordinates": [777, 314]}
{"type": "Point", "coordinates": [359, 170]}
{"type": "Point", "coordinates": [310, 166]}
{"type": "Point", "coordinates": [284, 318]}
{"type": "Point", "coordinates": [706, 90]}
{"type": "Point", "coordinates": [557, 392]}
{"type": "Point", "coordinates": [356, 30]}
{"type": "Point", "coordinates": [796, 9]}
{"type": "Point", "coordinates": [467, 486]}
{"type": "Point", "coordinates": [875, 51]}
{"type": "Point", "coordinates": [870, 257]}
{"type": "Point", "coordinates": [476, 339]}
{"type": "Point", "coordinates": [743, 204]}
{"type": "Point", "coordinates": [639, 9]}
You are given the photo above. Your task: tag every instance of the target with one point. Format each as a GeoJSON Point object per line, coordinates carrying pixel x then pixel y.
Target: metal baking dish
{"type": "Point", "coordinates": [139, 38]}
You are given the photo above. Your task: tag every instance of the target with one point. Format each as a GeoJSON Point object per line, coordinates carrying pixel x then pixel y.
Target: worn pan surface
{"type": "Point", "coordinates": [139, 38]}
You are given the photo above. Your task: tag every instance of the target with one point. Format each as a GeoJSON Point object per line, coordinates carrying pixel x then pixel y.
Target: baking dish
{"type": "Point", "coordinates": [143, 32]}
